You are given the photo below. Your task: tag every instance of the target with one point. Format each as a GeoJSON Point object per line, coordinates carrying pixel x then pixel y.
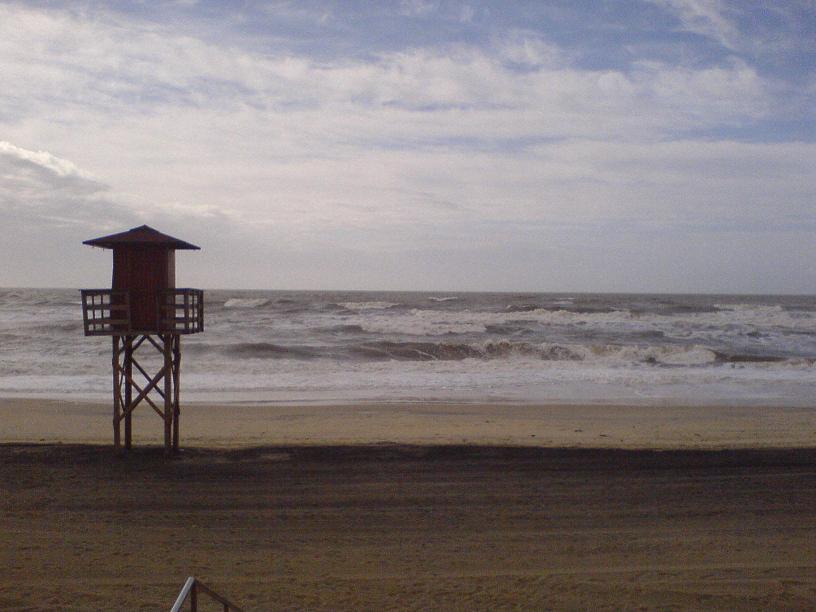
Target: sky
{"type": "Point", "coordinates": [615, 146]}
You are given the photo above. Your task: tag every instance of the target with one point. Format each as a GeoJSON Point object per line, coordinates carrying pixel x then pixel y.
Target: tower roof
{"type": "Point", "coordinates": [143, 235]}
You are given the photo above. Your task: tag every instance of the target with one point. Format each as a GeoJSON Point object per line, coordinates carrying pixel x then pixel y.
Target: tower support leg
{"type": "Point", "coordinates": [117, 408]}
{"type": "Point", "coordinates": [167, 342]}
{"type": "Point", "coordinates": [128, 363]}
{"type": "Point", "coordinates": [176, 383]}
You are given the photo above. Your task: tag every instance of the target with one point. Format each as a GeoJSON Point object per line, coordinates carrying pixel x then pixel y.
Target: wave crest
{"type": "Point", "coordinates": [374, 305]}
{"type": "Point", "coordinates": [267, 350]}
{"type": "Point", "coordinates": [453, 351]}
{"type": "Point", "coordinates": [246, 302]}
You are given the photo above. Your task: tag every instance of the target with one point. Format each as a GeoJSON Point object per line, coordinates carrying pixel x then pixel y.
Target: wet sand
{"type": "Point", "coordinates": [408, 527]}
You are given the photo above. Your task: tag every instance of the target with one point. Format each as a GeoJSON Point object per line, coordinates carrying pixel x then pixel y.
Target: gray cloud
{"type": "Point", "coordinates": [51, 192]}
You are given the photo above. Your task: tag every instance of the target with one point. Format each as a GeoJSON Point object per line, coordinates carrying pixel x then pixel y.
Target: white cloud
{"type": "Point", "coordinates": [507, 147]}
{"type": "Point", "coordinates": [417, 8]}
{"type": "Point", "coordinates": [121, 70]}
{"type": "Point", "coordinates": [467, 13]}
{"type": "Point", "coordinates": [386, 215]}
{"type": "Point", "coordinates": [60, 167]}
{"type": "Point", "coordinates": [292, 141]}
{"type": "Point", "coordinates": [706, 18]}
{"type": "Point", "coordinates": [529, 49]}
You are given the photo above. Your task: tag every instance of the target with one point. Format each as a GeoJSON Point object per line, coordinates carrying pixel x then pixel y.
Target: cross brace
{"type": "Point", "coordinates": [124, 382]}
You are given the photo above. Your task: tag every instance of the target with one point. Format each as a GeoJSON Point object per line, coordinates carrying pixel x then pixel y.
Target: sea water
{"type": "Point", "coordinates": [327, 346]}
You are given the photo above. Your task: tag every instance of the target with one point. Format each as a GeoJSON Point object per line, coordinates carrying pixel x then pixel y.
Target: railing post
{"type": "Point", "coordinates": [194, 598]}
{"type": "Point", "coordinates": [186, 311]}
{"type": "Point", "coordinates": [200, 300]}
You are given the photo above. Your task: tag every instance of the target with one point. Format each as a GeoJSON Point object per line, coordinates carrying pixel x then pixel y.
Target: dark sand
{"type": "Point", "coordinates": [408, 527]}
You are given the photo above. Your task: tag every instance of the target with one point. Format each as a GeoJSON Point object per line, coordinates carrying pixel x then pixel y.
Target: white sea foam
{"type": "Point", "coordinates": [425, 322]}
{"type": "Point", "coordinates": [527, 380]}
{"type": "Point", "coordinates": [245, 302]}
{"type": "Point", "coordinates": [440, 322]}
{"type": "Point", "coordinates": [760, 315]}
{"type": "Point", "coordinates": [666, 354]}
{"type": "Point", "coordinates": [374, 305]}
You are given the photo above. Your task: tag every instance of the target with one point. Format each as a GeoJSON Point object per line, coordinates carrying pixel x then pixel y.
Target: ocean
{"type": "Point", "coordinates": [335, 346]}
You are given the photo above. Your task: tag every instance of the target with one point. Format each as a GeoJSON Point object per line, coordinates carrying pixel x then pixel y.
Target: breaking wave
{"type": "Point", "coordinates": [374, 305]}
{"type": "Point", "coordinates": [606, 354]}
{"type": "Point", "coordinates": [603, 354]}
{"type": "Point", "coordinates": [437, 322]}
{"type": "Point", "coordinates": [448, 351]}
{"type": "Point", "coordinates": [246, 302]}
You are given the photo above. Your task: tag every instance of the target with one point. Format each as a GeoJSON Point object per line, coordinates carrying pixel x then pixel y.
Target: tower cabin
{"type": "Point", "coordinates": [143, 287]}
{"type": "Point", "coordinates": [143, 307]}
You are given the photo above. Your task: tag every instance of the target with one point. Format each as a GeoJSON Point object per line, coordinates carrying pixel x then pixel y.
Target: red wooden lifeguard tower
{"type": "Point", "coordinates": [144, 308]}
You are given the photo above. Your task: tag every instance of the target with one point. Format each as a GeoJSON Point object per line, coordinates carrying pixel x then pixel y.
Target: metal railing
{"type": "Point", "coordinates": [192, 587]}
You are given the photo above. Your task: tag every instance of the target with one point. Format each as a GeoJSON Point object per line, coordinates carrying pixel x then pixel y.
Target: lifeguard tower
{"type": "Point", "coordinates": [144, 308]}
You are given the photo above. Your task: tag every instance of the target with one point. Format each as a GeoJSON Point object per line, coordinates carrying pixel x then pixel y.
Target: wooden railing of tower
{"type": "Point", "coordinates": [106, 312]}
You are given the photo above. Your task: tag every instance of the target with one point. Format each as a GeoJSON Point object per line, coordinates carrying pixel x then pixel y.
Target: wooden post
{"type": "Point", "coordinates": [176, 382]}
{"type": "Point", "coordinates": [117, 442]}
{"type": "Point", "coordinates": [128, 391]}
{"type": "Point", "coordinates": [167, 341]}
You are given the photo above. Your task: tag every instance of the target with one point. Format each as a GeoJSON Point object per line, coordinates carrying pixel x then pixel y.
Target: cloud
{"type": "Point", "coordinates": [49, 205]}
{"type": "Point", "coordinates": [60, 167]}
{"type": "Point", "coordinates": [457, 91]}
{"type": "Point", "coordinates": [706, 18]}
{"type": "Point", "coordinates": [290, 140]}
{"type": "Point", "coordinates": [300, 169]}
{"type": "Point", "coordinates": [467, 13]}
{"type": "Point", "coordinates": [417, 8]}
{"type": "Point", "coordinates": [40, 187]}
{"type": "Point", "coordinates": [528, 49]}
{"type": "Point", "coordinates": [776, 34]}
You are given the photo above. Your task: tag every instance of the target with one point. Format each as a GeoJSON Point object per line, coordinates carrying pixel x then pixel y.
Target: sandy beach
{"type": "Point", "coordinates": [657, 427]}
{"type": "Point", "coordinates": [413, 506]}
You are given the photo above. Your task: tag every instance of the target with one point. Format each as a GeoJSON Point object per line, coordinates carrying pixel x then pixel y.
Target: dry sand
{"type": "Point", "coordinates": [399, 518]}
{"type": "Point", "coordinates": [596, 426]}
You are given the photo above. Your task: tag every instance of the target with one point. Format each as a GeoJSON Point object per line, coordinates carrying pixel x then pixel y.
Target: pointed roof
{"type": "Point", "coordinates": [143, 235]}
